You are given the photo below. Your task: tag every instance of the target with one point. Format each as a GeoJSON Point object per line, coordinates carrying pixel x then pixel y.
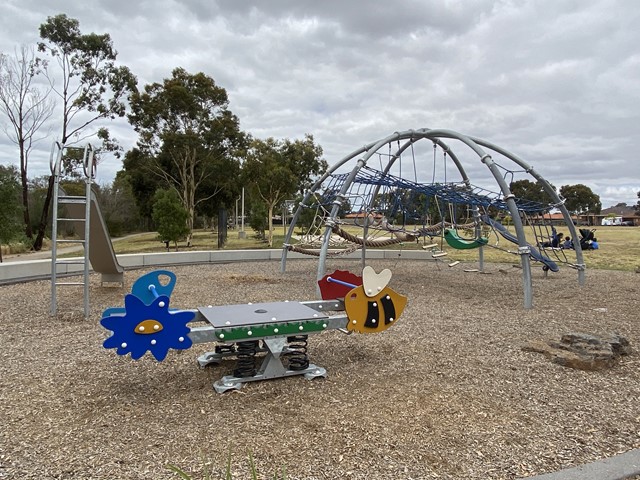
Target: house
{"type": "Point", "coordinates": [358, 218]}
{"type": "Point", "coordinates": [555, 219]}
{"type": "Point", "coordinates": [621, 214]}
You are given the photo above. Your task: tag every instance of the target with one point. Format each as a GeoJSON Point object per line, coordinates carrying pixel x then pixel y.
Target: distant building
{"type": "Point", "coordinates": [552, 219]}
{"type": "Point", "coordinates": [619, 215]}
{"type": "Point", "coordinates": [358, 217]}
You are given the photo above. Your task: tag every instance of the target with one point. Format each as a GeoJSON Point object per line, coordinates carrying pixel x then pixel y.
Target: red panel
{"type": "Point", "coordinates": [331, 290]}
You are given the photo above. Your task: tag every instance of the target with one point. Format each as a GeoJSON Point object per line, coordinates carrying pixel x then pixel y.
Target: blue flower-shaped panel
{"type": "Point", "coordinates": [150, 328]}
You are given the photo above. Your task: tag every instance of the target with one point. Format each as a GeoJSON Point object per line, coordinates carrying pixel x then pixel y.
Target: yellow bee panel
{"type": "Point", "coordinates": [373, 314]}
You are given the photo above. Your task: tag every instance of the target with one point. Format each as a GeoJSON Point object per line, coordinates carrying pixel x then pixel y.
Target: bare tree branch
{"type": "Point", "coordinates": [27, 109]}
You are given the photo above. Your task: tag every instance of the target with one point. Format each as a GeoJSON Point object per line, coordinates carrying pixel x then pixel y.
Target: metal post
{"type": "Point", "coordinates": [242, 233]}
{"type": "Point", "coordinates": [235, 215]}
{"type": "Point", "coordinates": [55, 171]}
{"type": "Point", "coordinates": [88, 154]}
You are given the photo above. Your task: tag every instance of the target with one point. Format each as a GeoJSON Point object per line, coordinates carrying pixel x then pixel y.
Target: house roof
{"type": "Point", "coordinates": [555, 216]}
{"type": "Point", "coordinates": [363, 214]}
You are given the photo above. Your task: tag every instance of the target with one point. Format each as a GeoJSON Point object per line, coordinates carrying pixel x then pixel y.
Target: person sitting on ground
{"type": "Point", "coordinates": [568, 244]}
{"type": "Point", "coordinates": [557, 240]}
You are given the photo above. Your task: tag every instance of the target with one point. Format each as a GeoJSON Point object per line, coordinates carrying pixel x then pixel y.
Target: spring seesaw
{"type": "Point", "coordinates": [279, 330]}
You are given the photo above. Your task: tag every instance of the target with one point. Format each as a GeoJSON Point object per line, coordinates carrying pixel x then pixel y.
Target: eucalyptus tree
{"type": "Point", "coordinates": [26, 107]}
{"type": "Point", "coordinates": [136, 171]}
{"type": "Point", "coordinates": [277, 170]}
{"type": "Point", "coordinates": [528, 190]}
{"type": "Point", "coordinates": [90, 87]}
{"type": "Point", "coordinates": [188, 138]}
{"type": "Point", "coordinates": [580, 199]}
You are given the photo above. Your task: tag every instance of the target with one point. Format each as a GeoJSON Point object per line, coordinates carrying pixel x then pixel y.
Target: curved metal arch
{"type": "Point", "coordinates": [559, 202]}
{"type": "Point", "coordinates": [523, 246]}
{"type": "Point", "coordinates": [431, 134]}
{"type": "Point", "coordinates": [477, 145]}
{"type": "Point", "coordinates": [341, 195]}
{"type": "Point", "coordinates": [420, 135]}
{"type": "Point", "coordinates": [484, 157]}
{"type": "Point", "coordinates": [307, 196]}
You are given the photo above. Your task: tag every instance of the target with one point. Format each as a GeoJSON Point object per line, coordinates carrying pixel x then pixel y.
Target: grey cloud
{"type": "Point", "coordinates": [557, 83]}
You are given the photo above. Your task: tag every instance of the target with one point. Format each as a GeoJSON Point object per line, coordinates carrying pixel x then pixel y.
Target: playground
{"type": "Point", "coordinates": [452, 390]}
{"type": "Point", "coordinates": [448, 392]}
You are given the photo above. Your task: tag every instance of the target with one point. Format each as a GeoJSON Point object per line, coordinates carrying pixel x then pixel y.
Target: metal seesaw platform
{"type": "Point", "coordinates": [278, 329]}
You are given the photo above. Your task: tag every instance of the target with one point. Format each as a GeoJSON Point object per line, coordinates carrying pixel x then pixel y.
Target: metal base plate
{"type": "Point", "coordinates": [230, 382]}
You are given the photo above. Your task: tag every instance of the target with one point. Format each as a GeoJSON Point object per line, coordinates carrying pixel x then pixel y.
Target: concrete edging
{"type": "Point", "coordinates": [618, 467]}
{"type": "Point", "coordinates": [29, 270]}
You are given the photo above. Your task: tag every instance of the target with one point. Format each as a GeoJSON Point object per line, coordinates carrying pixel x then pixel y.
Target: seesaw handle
{"type": "Point", "coordinates": [340, 282]}
{"type": "Point", "coordinates": [151, 285]}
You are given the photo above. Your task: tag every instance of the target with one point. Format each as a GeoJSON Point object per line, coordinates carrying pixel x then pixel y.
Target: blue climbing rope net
{"type": "Point", "coordinates": [456, 193]}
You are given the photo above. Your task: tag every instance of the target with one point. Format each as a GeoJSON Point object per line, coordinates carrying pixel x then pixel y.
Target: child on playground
{"type": "Point", "coordinates": [568, 243]}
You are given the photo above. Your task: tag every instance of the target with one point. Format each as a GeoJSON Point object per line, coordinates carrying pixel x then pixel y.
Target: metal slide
{"type": "Point", "coordinates": [101, 255]}
{"type": "Point", "coordinates": [533, 252]}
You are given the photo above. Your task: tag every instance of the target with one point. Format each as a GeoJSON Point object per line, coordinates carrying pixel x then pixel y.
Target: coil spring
{"type": "Point", "coordinates": [246, 359]}
{"type": "Point", "coordinates": [225, 349]}
{"type": "Point", "coordinates": [297, 355]}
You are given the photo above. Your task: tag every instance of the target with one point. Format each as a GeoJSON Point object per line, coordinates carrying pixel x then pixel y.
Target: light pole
{"type": "Point", "coordinates": [235, 215]}
{"type": "Point", "coordinates": [285, 208]}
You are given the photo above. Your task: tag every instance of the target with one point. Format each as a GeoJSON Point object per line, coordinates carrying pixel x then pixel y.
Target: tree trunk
{"type": "Point", "coordinates": [270, 224]}
{"type": "Point", "coordinates": [25, 206]}
{"type": "Point", "coordinates": [25, 194]}
{"type": "Point", "coordinates": [44, 218]}
{"type": "Point", "coordinates": [190, 225]}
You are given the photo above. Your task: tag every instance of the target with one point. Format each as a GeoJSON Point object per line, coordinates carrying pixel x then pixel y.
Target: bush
{"type": "Point", "coordinates": [169, 216]}
{"type": "Point", "coordinates": [10, 205]}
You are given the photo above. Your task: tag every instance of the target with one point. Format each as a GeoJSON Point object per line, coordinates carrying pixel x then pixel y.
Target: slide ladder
{"type": "Point", "coordinates": [83, 212]}
{"type": "Point", "coordinates": [61, 198]}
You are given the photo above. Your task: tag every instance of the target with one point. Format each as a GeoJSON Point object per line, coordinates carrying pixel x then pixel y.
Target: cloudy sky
{"type": "Point", "coordinates": [556, 82]}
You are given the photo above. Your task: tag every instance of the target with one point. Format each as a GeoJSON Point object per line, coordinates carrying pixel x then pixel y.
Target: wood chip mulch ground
{"type": "Point", "coordinates": [446, 393]}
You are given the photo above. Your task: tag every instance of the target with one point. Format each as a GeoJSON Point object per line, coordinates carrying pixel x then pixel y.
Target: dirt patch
{"type": "Point", "coordinates": [445, 393]}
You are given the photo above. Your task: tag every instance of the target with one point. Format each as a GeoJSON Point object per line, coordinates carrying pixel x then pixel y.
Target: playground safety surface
{"type": "Point", "coordinates": [446, 393]}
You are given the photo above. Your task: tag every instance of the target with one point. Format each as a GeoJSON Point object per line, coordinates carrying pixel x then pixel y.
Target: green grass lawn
{"type": "Point", "coordinates": [202, 240]}
{"type": "Point", "coordinates": [619, 246]}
